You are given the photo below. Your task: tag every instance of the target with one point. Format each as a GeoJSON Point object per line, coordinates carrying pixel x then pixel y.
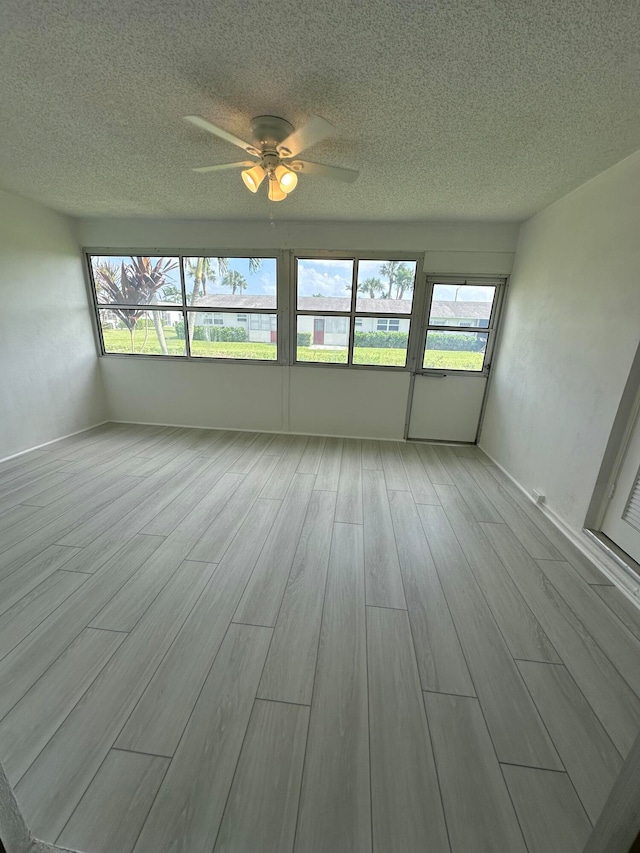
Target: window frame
{"type": "Point", "coordinates": [184, 308]}
{"type": "Point", "coordinates": [287, 312]}
{"type": "Point", "coordinates": [500, 284]}
{"type": "Point", "coordinates": [412, 317]}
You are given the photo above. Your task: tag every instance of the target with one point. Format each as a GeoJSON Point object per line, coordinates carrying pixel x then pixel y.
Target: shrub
{"type": "Point", "coordinates": [213, 333]}
{"type": "Point", "coordinates": [458, 341]}
{"type": "Point", "coordinates": [386, 340]}
{"type": "Point", "coordinates": [304, 339]}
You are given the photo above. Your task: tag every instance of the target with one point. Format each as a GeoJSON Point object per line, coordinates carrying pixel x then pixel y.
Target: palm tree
{"type": "Point", "coordinates": [136, 283]}
{"type": "Point", "coordinates": [370, 286]}
{"type": "Point", "coordinates": [235, 280]}
{"type": "Point", "coordinates": [404, 280]}
{"type": "Point", "coordinates": [390, 269]}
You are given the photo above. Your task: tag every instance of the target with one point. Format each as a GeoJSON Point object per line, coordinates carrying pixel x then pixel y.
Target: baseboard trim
{"type": "Point", "coordinates": [585, 541]}
{"type": "Point", "coordinates": [53, 440]}
{"type": "Point", "coordinates": [268, 431]}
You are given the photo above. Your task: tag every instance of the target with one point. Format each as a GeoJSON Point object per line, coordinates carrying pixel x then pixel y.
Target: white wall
{"type": "Point", "coordinates": [50, 384]}
{"type": "Point", "coordinates": [569, 338]}
{"type": "Point", "coordinates": [300, 399]}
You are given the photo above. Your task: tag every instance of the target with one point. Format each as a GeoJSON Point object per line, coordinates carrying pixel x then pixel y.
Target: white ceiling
{"type": "Point", "coordinates": [451, 109]}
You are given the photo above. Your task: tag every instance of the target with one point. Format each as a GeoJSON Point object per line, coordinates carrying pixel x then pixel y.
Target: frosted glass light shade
{"type": "Point", "coordinates": [253, 177]}
{"type": "Point", "coordinates": [287, 179]}
{"type": "Point", "coordinates": [275, 193]}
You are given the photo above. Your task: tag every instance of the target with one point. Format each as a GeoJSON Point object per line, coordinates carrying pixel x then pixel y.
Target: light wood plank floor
{"type": "Point", "coordinates": [229, 641]}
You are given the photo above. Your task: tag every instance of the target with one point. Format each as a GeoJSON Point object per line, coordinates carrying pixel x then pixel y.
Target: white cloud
{"type": "Point", "coordinates": [311, 281]}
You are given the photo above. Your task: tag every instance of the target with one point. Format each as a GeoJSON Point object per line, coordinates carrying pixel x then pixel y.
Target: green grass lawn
{"type": "Point", "coordinates": [118, 341]}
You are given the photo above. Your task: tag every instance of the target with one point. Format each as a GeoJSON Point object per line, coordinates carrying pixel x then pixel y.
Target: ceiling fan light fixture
{"type": "Point", "coordinates": [275, 193]}
{"type": "Point", "coordinates": [287, 179]}
{"type": "Point", "coordinates": [254, 177]}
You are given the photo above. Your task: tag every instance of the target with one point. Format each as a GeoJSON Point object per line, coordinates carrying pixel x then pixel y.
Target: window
{"type": "Point", "coordinates": [375, 296]}
{"type": "Point", "coordinates": [388, 325]}
{"type": "Point", "coordinates": [455, 308]}
{"type": "Point", "coordinates": [145, 304]}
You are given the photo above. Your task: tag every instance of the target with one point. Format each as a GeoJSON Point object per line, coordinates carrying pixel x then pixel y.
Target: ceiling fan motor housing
{"type": "Point", "coordinates": [268, 132]}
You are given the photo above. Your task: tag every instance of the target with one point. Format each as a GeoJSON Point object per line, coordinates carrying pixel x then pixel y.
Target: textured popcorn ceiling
{"type": "Point", "coordinates": [471, 109]}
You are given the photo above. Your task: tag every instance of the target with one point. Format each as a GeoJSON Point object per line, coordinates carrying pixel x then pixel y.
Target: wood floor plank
{"type": "Point", "coordinates": [619, 644]}
{"type": "Point", "coordinates": [110, 815]}
{"type": "Point", "coordinates": [480, 815]}
{"type": "Point", "coordinates": [349, 503]}
{"type": "Point", "coordinates": [550, 814]}
{"type": "Point", "coordinates": [32, 657]}
{"type": "Point", "coordinates": [329, 469]}
{"type": "Point", "coordinates": [587, 752]}
{"type": "Point", "coordinates": [405, 798]}
{"type": "Point", "coordinates": [280, 443]}
{"type": "Point", "coordinates": [441, 663]}
{"type": "Point", "coordinates": [262, 597]}
{"type": "Point", "coordinates": [436, 471]}
{"type": "Point", "coordinates": [19, 621]}
{"type": "Point", "coordinates": [310, 461]}
{"type": "Point", "coordinates": [52, 787]}
{"type": "Point", "coordinates": [581, 564]}
{"type": "Point", "coordinates": [515, 725]}
{"type": "Point", "coordinates": [159, 718]}
{"type": "Point", "coordinates": [521, 630]}
{"type": "Point", "coordinates": [249, 455]}
{"type": "Point", "coordinates": [616, 705]}
{"type": "Point", "coordinates": [335, 804]}
{"type": "Point", "coordinates": [626, 611]}
{"type": "Point", "coordinates": [529, 534]}
{"type": "Point", "coordinates": [290, 667]}
{"type": "Point", "coordinates": [31, 492]}
{"type": "Point", "coordinates": [479, 504]}
{"type": "Point", "coordinates": [27, 728]}
{"type": "Point", "coordinates": [263, 801]}
{"type": "Point", "coordinates": [218, 535]}
{"type": "Point", "coordinates": [14, 514]}
{"type": "Point", "coordinates": [19, 583]}
{"type": "Point", "coordinates": [282, 475]}
{"type": "Point", "coordinates": [41, 529]}
{"type": "Point", "coordinates": [394, 472]}
{"type": "Point", "coordinates": [371, 454]}
{"type": "Point", "coordinates": [30, 469]}
{"type": "Point", "coordinates": [186, 814]}
{"type": "Point", "coordinates": [383, 579]}
{"type": "Point", "coordinates": [417, 477]}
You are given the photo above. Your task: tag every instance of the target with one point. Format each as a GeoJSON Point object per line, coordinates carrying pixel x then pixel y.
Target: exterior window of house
{"type": "Point", "coordinates": [375, 297]}
{"type": "Point", "coordinates": [194, 307]}
{"type": "Point", "coordinates": [388, 325]}
{"type": "Point", "coordinates": [454, 308]}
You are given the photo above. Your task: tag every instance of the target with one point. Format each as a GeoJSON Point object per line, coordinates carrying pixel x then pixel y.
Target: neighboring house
{"type": "Point", "coordinates": [331, 330]}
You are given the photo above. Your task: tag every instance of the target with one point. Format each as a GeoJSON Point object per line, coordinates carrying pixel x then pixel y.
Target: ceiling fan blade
{"type": "Point", "coordinates": [319, 170]}
{"type": "Point", "coordinates": [203, 124]}
{"type": "Point", "coordinates": [315, 130]}
{"type": "Point", "coordinates": [220, 167]}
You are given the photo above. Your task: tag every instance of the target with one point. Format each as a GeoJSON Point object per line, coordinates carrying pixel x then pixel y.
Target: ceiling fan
{"type": "Point", "coordinates": [276, 145]}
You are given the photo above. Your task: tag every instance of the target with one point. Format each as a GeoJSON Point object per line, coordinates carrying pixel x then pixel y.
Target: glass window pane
{"type": "Point", "coordinates": [323, 339]}
{"type": "Point", "coordinates": [383, 347]}
{"type": "Point", "coordinates": [140, 332]}
{"type": "Point", "coordinates": [455, 350]}
{"type": "Point", "coordinates": [134, 280]}
{"type": "Point", "coordinates": [324, 284]}
{"type": "Point", "coordinates": [243, 283]}
{"type": "Point", "coordinates": [461, 305]}
{"type": "Point", "coordinates": [391, 281]}
{"type": "Point", "coordinates": [225, 336]}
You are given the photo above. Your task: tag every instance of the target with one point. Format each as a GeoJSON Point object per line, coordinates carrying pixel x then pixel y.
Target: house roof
{"type": "Point", "coordinates": [321, 304]}
{"type": "Point", "coordinates": [450, 110]}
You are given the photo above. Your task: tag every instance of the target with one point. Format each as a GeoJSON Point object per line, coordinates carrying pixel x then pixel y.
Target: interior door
{"type": "Point", "coordinates": [622, 518]}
